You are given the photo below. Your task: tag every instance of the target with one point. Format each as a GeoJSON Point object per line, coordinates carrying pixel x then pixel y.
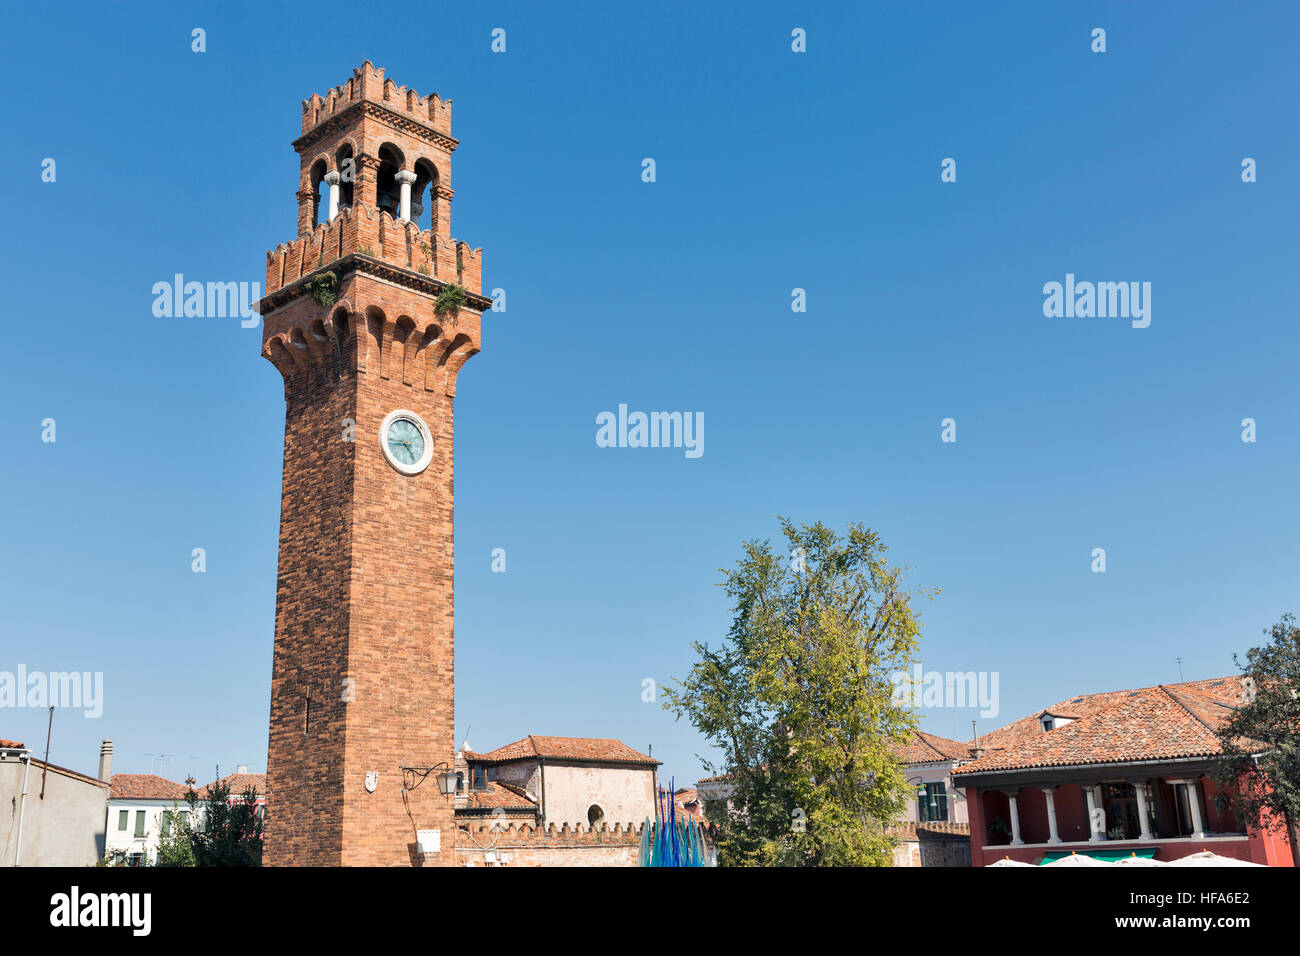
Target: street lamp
{"type": "Point", "coordinates": [448, 783]}
{"type": "Point", "coordinates": [448, 780]}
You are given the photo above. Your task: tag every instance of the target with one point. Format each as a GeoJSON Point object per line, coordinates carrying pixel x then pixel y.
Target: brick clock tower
{"type": "Point", "coordinates": [369, 318]}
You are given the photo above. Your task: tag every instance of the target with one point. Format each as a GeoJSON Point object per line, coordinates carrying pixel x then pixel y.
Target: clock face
{"type": "Point", "coordinates": [407, 441]}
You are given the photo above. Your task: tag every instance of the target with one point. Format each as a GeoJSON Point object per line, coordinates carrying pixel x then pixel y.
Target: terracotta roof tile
{"type": "Point", "coordinates": [499, 794]}
{"type": "Point", "coordinates": [11, 744]}
{"type": "Point", "coordinates": [593, 749]}
{"type": "Point", "coordinates": [144, 786]}
{"type": "Point", "coordinates": [930, 748]}
{"type": "Point", "coordinates": [1150, 723]}
{"type": "Point", "coordinates": [238, 783]}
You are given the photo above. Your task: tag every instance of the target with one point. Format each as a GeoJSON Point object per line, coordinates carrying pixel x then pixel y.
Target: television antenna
{"type": "Point", "coordinates": [158, 761]}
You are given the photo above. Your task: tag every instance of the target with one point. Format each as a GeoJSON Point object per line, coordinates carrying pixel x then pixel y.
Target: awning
{"type": "Point", "coordinates": [1106, 856]}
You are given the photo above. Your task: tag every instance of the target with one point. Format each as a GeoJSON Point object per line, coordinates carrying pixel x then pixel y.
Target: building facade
{"type": "Point", "coordinates": [52, 816]}
{"type": "Point", "coordinates": [554, 801]}
{"type": "Point", "coordinates": [142, 809]}
{"type": "Point", "coordinates": [930, 761]}
{"type": "Point", "coordinates": [1118, 773]}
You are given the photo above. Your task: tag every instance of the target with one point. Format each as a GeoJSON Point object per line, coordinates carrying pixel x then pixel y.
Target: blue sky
{"type": "Point", "coordinates": [775, 170]}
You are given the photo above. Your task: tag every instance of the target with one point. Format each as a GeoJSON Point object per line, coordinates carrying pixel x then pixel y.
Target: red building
{"type": "Point", "coordinates": [1123, 772]}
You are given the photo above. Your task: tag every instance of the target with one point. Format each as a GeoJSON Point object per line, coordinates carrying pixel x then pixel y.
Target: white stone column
{"type": "Point", "coordinates": [406, 178]}
{"type": "Point", "coordinates": [332, 178]}
{"type": "Point", "coordinates": [1053, 836]}
{"type": "Point", "coordinates": [1140, 791]}
{"type": "Point", "coordinates": [1094, 803]}
{"type": "Point", "coordinates": [1015, 821]}
{"type": "Point", "coordinates": [1198, 825]}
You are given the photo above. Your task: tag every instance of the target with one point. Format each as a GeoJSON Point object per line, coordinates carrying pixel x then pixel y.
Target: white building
{"type": "Point", "coordinates": [143, 808]}
{"type": "Point", "coordinates": [140, 807]}
{"type": "Point", "coordinates": [562, 780]}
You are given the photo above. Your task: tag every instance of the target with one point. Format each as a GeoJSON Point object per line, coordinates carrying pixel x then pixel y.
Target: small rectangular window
{"type": "Point", "coordinates": [932, 807]}
{"type": "Point", "coordinates": [166, 824]}
{"type": "Point", "coordinates": [139, 823]}
{"type": "Point", "coordinates": [121, 818]}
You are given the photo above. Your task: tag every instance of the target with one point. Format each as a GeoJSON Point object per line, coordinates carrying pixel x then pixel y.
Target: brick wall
{"type": "Point", "coordinates": [932, 844]}
{"type": "Point", "coordinates": [616, 845]}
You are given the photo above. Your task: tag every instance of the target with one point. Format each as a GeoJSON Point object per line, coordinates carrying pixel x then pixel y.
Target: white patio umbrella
{"type": "Point", "coordinates": [1007, 861]}
{"type": "Point", "coordinates": [1206, 858]}
{"type": "Point", "coordinates": [1136, 860]}
{"type": "Point", "coordinates": [1077, 859]}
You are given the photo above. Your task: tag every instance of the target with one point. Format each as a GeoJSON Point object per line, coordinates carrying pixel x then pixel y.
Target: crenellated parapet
{"type": "Point", "coordinates": [526, 833]}
{"type": "Point", "coordinates": [373, 233]}
{"type": "Point", "coordinates": [369, 85]}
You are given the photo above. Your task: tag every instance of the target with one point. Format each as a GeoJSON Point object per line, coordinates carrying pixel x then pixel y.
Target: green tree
{"type": "Point", "coordinates": [1262, 737]}
{"type": "Point", "coordinates": [176, 844]}
{"type": "Point", "coordinates": [799, 700]}
{"type": "Point", "coordinates": [230, 833]}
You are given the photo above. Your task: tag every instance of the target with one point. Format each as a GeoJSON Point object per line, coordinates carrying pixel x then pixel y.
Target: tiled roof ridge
{"type": "Point", "coordinates": [994, 738]}
{"type": "Point", "coordinates": [135, 786]}
{"type": "Point", "coordinates": [925, 739]}
{"type": "Point", "coordinates": [1187, 685]}
{"type": "Point", "coordinates": [1195, 702]}
{"type": "Point", "coordinates": [1183, 704]}
{"type": "Point", "coordinates": [543, 747]}
{"type": "Point", "coordinates": [929, 740]}
{"type": "Point", "coordinates": [1210, 700]}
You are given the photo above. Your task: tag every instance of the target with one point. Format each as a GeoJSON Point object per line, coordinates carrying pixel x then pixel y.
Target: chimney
{"type": "Point", "coordinates": [106, 760]}
{"type": "Point", "coordinates": [242, 768]}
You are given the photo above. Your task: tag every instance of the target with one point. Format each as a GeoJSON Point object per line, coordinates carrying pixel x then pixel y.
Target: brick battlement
{"type": "Point", "coordinates": [372, 232]}
{"type": "Point", "coordinates": [937, 829]}
{"type": "Point", "coordinates": [524, 833]}
{"type": "Point", "coordinates": [368, 84]}
{"type": "Point", "coordinates": [527, 845]}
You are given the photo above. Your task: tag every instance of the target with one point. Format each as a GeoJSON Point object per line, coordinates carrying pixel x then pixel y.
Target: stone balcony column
{"type": "Point", "coordinates": [1198, 825]}
{"type": "Point", "coordinates": [332, 177]}
{"type": "Point", "coordinates": [1053, 836]}
{"type": "Point", "coordinates": [1095, 834]}
{"type": "Point", "coordinates": [1140, 791]}
{"type": "Point", "coordinates": [1015, 819]}
{"type": "Point", "coordinates": [405, 177]}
